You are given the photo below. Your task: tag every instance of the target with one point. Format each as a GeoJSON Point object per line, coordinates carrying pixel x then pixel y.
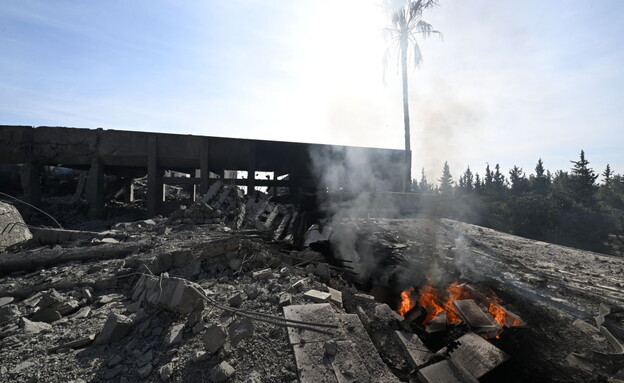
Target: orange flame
{"type": "Point", "coordinates": [407, 302]}
{"type": "Point", "coordinates": [502, 316]}
{"type": "Point", "coordinates": [432, 300]}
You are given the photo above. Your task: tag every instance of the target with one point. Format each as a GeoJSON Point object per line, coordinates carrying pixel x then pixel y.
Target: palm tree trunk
{"type": "Point", "coordinates": [406, 119]}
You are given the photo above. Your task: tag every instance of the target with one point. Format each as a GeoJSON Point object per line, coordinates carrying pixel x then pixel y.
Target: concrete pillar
{"type": "Point", "coordinates": [251, 169]}
{"type": "Point", "coordinates": [31, 184]}
{"type": "Point", "coordinates": [128, 186]}
{"type": "Point", "coordinates": [204, 159]}
{"type": "Point", "coordinates": [30, 174]}
{"type": "Point", "coordinates": [155, 191]}
{"type": "Point", "coordinates": [95, 189]}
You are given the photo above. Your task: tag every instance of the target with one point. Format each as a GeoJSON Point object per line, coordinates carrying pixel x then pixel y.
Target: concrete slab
{"type": "Point", "coordinates": [355, 332]}
{"type": "Point", "coordinates": [477, 355]}
{"type": "Point", "coordinates": [320, 313]}
{"type": "Point", "coordinates": [310, 364]}
{"type": "Point", "coordinates": [348, 365]}
{"type": "Point", "coordinates": [472, 313]}
{"type": "Point", "coordinates": [415, 350]}
{"type": "Point", "coordinates": [445, 372]}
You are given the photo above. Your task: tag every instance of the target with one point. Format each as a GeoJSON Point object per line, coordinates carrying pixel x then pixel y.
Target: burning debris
{"type": "Point", "coordinates": [454, 305]}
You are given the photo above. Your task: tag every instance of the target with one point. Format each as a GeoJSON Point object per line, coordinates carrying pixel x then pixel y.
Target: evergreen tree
{"type": "Point", "coordinates": [446, 182]}
{"type": "Point", "coordinates": [498, 179]}
{"type": "Point", "coordinates": [488, 180]}
{"type": "Point", "coordinates": [519, 182]}
{"type": "Point", "coordinates": [607, 176]}
{"type": "Point", "coordinates": [541, 181]}
{"type": "Point", "coordinates": [539, 168]}
{"type": "Point", "coordinates": [583, 181]}
{"type": "Point", "coordinates": [423, 185]}
{"type": "Point", "coordinates": [478, 185]}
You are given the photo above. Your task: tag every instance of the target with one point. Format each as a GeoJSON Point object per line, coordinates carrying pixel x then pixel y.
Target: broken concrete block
{"type": "Point", "coordinates": [174, 335]}
{"type": "Point", "coordinates": [46, 315]}
{"type": "Point", "coordinates": [437, 324]}
{"type": "Point", "coordinates": [66, 307]}
{"type": "Point", "coordinates": [317, 296]}
{"type": "Point", "coordinates": [316, 234]}
{"type": "Point", "coordinates": [214, 338]}
{"type": "Point", "coordinates": [49, 298]}
{"type": "Point", "coordinates": [335, 297]}
{"type": "Point", "coordinates": [477, 355]}
{"type": "Point", "coordinates": [170, 293]}
{"type": "Point", "coordinates": [472, 314]}
{"type": "Point", "coordinates": [239, 330]}
{"type": "Point", "coordinates": [6, 300]}
{"type": "Point", "coordinates": [414, 349]}
{"type": "Point", "coordinates": [221, 372]}
{"type": "Point", "coordinates": [262, 274]}
{"type": "Point", "coordinates": [82, 313]}
{"type": "Point", "coordinates": [445, 372]}
{"type": "Point", "coordinates": [285, 299]}
{"type": "Point", "coordinates": [297, 286]}
{"type": "Point", "coordinates": [115, 328]}
{"type": "Point", "coordinates": [31, 327]}
{"type": "Point", "coordinates": [14, 230]}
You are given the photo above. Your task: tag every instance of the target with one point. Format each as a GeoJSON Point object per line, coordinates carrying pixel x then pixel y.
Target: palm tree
{"type": "Point", "coordinates": [406, 26]}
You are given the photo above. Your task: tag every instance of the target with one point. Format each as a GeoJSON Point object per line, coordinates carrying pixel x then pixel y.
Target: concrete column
{"type": "Point", "coordinates": [204, 162]}
{"type": "Point", "coordinates": [155, 191]}
{"type": "Point", "coordinates": [95, 189]}
{"type": "Point", "coordinates": [128, 186]}
{"type": "Point", "coordinates": [30, 174]}
{"type": "Point", "coordinates": [251, 169]}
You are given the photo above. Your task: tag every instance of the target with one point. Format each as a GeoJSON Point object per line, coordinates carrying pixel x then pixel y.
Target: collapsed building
{"type": "Point", "coordinates": [342, 280]}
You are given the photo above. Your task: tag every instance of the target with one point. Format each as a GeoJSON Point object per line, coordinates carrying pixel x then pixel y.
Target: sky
{"type": "Point", "coordinates": [509, 83]}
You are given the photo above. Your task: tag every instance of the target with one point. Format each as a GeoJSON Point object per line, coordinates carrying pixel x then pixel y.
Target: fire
{"type": "Point", "coordinates": [407, 302]}
{"type": "Point", "coordinates": [500, 315]}
{"type": "Point", "coordinates": [436, 302]}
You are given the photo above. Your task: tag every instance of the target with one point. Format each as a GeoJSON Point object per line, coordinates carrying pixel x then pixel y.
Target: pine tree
{"type": "Point", "coordinates": [469, 179]}
{"type": "Point", "coordinates": [541, 181]}
{"type": "Point", "coordinates": [583, 181]}
{"type": "Point", "coordinates": [519, 182]}
{"type": "Point", "coordinates": [446, 182]}
{"type": "Point", "coordinates": [423, 185]}
{"type": "Point", "coordinates": [478, 185]}
{"type": "Point", "coordinates": [488, 180]}
{"type": "Point", "coordinates": [498, 179]}
{"type": "Point", "coordinates": [607, 176]}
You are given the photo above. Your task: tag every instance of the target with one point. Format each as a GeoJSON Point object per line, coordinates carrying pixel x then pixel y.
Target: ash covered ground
{"type": "Point", "coordinates": [206, 295]}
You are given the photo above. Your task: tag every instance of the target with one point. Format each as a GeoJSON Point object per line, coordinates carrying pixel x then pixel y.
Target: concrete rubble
{"type": "Point", "coordinates": [218, 291]}
{"type": "Point", "coordinates": [13, 229]}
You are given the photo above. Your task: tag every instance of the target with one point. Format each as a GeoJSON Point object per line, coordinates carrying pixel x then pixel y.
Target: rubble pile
{"type": "Point", "coordinates": [226, 204]}
{"type": "Point", "coordinates": [217, 292]}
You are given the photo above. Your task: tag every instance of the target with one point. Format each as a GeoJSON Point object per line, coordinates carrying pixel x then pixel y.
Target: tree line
{"type": "Point", "coordinates": [568, 207]}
